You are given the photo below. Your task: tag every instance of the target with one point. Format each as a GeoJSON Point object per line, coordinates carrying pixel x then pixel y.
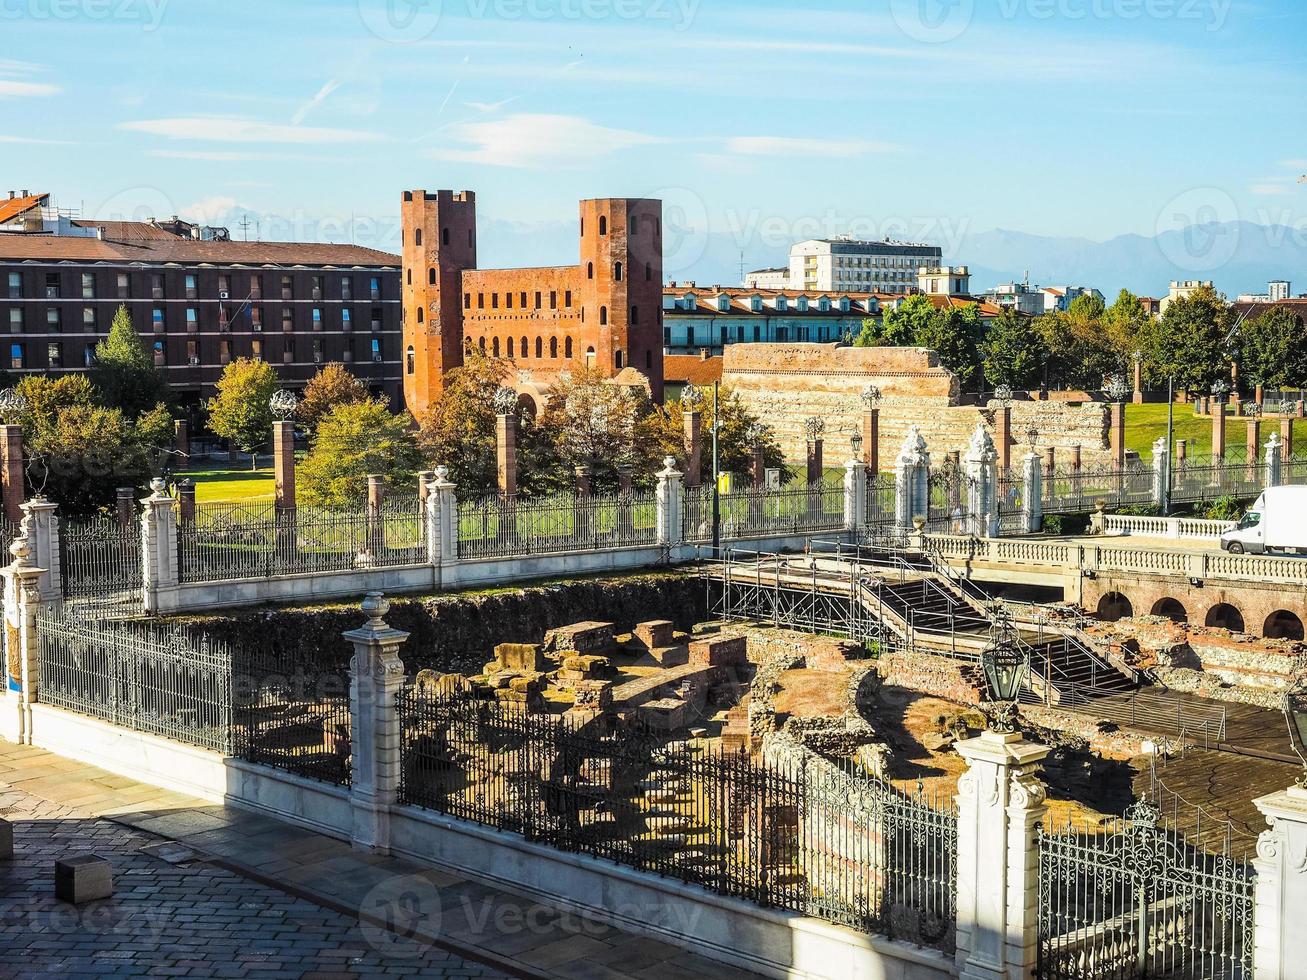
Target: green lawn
{"type": "Point", "coordinates": [1146, 423]}
{"type": "Point", "coordinates": [230, 485]}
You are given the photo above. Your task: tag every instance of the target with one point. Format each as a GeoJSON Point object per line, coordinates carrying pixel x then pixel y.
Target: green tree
{"type": "Point", "coordinates": [1013, 352]}
{"type": "Point", "coordinates": [665, 434]}
{"type": "Point", "coordinates": [240, 410]}
{"type": "Point", "coordinates": [333, 385]}
{"type": "Point", "coordinates": [1188, 340]}
{"type": "Point", "coordinates": [904, 326]}
{"type": "Point", "coordinates": [1273, 349]}
{"type": "Point", "coordinates": [458, 429]}
{"type": "Point", "coordinates": [954, 333]}
{"type": "Point", "coordinates": [124, 370]}
{"type": "Point", "coordinates": [355, 440]}
{"type": "Point", "coordinates": [1125, 324]}
{"type": "Point", "coordinates": [1086, 308]}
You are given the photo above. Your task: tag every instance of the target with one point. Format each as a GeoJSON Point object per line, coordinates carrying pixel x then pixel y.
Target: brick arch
{"type": "Point", "coordinates": [1172, 608]}
{"type": "Point", "coordinates": [1283, 625]}
{"type": "Point", "coordinates": [1113, 606]}
{"type": "Point", "coordinates": [1225, 615]}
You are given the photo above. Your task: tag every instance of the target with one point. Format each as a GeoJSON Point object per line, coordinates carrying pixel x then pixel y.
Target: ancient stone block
{"type": "Point", "coordinates": [664, 715]}
{"type": "Point", "coordinates": [527, 683]}
{"type": "Point", "coordinates": [432, 683]}
{"type": "Point", "coordinates": [655, 634]}
{"type": "Point", "coordinates": [672, 656]}
{"type": "Point", "coordinates": [519, 656]}
{"type": "Point", "coordinates": [589, 667]}
{"type": "Point", "coordinates": [720, 651]}
{"type": "Point", "coordinates": [82, 878]}
{"type": "Point", "coordinates": [587, 638]}
{"type": "Point", "coordinates": [594, 695]}
{"type": "Point", "coordinates": [832, 655]}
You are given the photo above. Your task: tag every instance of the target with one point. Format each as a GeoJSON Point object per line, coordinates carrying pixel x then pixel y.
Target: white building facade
{"type": "Point", "coordinates": [846, 265]}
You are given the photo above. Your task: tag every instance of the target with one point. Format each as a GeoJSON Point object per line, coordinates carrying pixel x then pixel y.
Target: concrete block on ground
{"type": "Point", "coordinates": [82, 878]}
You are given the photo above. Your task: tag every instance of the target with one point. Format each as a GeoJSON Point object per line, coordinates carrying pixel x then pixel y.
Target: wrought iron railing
{"type": "Point", "coordinates": [1199, 481]}
{"type": "Point", "coordinates": [1076, 490]}
{"type": "Point", "coordinates": [1135, 898]}
{"type": "Point", "coordinates": [100, 564]}
{"type": "Point", "coordinates": [503, 526]}
{"type": "Point", "coordinates": [751, 513]}
{"type": "Point", "coordinates": [146, 677]}
{"type": "Point", "coordinates": [236, 541]}
{"type": "Point", "coordinates": [829, 841]}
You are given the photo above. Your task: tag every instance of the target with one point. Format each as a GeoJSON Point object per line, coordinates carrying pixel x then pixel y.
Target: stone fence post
{"type": "Point", "coordinates": [1274, 463]}
{"type": "Point", "coordinates": [43, 538]}
{"type": "Point", "coordinates": [160, 575]}
{"type": "Point", "coordinates": [979, 463]}
{"type": "Point", "coordinates": [22, 601]}
{"type": "Point", "coordinates": [376, 678]}
{"type": "Point", "coordinates": [442, 524]}
{"type": "Point", "coordinates": [1032, 496]}
{"type": "Point", "coordinates": [1280, 895]}
{"type": "Point", "coordinates": [855, 495]}
{"type": "Point", "coordinates": [670, 501]}
{"type": "Point", "coordinates": [1161, 470]}
{"type": "Point", "coordinates": [1000, 804]}
{"type": "Point", "coordinates": [911, 481]}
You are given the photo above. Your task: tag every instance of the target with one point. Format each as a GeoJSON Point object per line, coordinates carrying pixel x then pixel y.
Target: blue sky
{"type": "Point", "coordinates": [758, 122]}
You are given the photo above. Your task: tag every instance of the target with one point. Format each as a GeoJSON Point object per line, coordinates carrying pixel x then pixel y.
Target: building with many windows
{"type": "Point", "coordinates": [698, 318]}
{"type": "Point", "coordinates": [199, 304]}
{"type": "Point", "coordinates": [843, 264]}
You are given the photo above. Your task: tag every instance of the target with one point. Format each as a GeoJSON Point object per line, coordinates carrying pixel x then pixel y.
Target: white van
{"type": "Point", "coordinates": [1277, 522]}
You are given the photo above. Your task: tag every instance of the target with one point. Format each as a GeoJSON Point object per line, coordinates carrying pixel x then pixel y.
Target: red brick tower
{"type": "Point", "coordinates": [439, 242]}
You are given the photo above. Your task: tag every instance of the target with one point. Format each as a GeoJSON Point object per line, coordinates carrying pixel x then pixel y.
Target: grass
{"type": "Point", "coordinates": [1146, 423]}
{"type": "Point", "coordinates": [230, 485]}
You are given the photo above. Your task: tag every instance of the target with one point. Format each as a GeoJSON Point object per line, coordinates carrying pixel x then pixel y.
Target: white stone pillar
{"type": "Point", "coordinates": [376, 678]}
{"type": "Point", "coordinates": [1280, 895]}
{"type": "Point", "coordinates": [1000, 803]}
{"type": "Point", "coordinates": [44, 542]}
{"type": "Point", "coordinates": [855, 495]}
{"type": "Point", "coordinates": [432, 519]}
{"type": "Point", "coordinates": [669, 500]}
{"type": "Point", "coordinates": [22, 601]}
{"type": "Point", "coordinates": [1274, 461]}
{"type": "Point", "coordinates": [978, 467]}
{"type": "Point", "coordinates": [1161, 470]}
{"type": "Point", "coordinates": [443, 543]}
{"type": "Point", "coordinates": [1032, 503]}
{"type": "Point", "coordinates": [911, 480]}
{"type": "Point", "coordinates": [160, 575]}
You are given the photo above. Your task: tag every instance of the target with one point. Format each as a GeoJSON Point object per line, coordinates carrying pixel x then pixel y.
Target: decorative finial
{"type": "Point", "coordinates": [813, 428]}
{"type": "Point", "coordinates": [1003, 393]}
{"type": "Point", "coordinates": [283, 404]}
{"type": "Point", "coordinates": [1116, 388]}
{"type": "Point", "coordinates": [375, 605]}
{"type": "Point", "coordinates": [691, 398]}
{"type": "Point", "coordinates": [504, 400]}
{"type": "Point", "coordinates": [870, 397]}
{"type": "Point", "coordinates": [13, 406]}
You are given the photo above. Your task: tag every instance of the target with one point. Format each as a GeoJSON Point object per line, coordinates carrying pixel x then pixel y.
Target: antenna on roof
{"type": "Point", "coordinates": [245, 227]}
{"type": "Point", "coordinates": [741, 267]}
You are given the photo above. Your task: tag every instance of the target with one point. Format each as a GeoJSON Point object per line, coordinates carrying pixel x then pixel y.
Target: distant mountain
{"type": "Point", "coordinates": [1239, 256]}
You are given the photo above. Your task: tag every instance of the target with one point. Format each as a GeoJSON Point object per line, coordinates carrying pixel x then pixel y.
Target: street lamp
{"type": "Point", "coordinates": [283, 404]}
{"type": "Point", "coordinates": [1004, 664]}
{"type": "Point", "coordinates": [855, 443]}
{"type": "Point", "coordinates": [1032, 438]}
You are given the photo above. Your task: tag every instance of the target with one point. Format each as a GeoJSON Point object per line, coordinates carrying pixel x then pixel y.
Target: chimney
{"type": "Point", "coordinates": [26, 192]}
{"type": "Point", "coordinates": [703, 354]}
{"type": "Point", "coordinates": [11, 195]}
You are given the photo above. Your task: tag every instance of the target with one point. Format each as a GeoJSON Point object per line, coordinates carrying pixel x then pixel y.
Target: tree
{"type": "Point", "coordinates": [1013, 352]}
{"type": "Point", "coordinates": [355, 440]}
{"type": "Point", "coordinates": [1273, 349]}
{"type": "Point", "coordinates": [1188, 341]}
{"type": "Point", "coordinates": [240, 411]}
{"type": "Point", "coordinates": [1125, 323]}
{"type": "Point", "coordinates": [458, 428]}
{"type": "Point", "coordinates": [899, 327]}
{"type": "Point", "coordinates": [124, 370]}
{"type": "Point", "coordinates": [954, 334]}
{"type": "Point", "coordinates": [665, 431]}
{"type": "Point", "coordinates": [333, 385]}
{"type": "Point", "coordinates": [597, 424]}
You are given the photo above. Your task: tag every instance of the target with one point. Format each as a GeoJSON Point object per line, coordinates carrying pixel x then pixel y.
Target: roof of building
{"type": "Point", "coordinates": [128, 231]}
{"type": "Point", "coordinates": [849, 246]}
{"type": "Point", "coordinates": [14, 206]}
{"type": "Point", "coordinates": [1297, 304]}
{"type": "Point", "coordinates": [691, 369]}
{"type": "Point", "coordinates": [62, 248]}
{"type": "Point", "coordinates": [779, 268]}
{"type": "Point", "coordinates": [940, 302]}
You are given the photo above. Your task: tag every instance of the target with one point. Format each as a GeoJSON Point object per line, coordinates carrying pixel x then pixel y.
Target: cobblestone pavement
{"type": "Point", "coordinates": [175, 920]}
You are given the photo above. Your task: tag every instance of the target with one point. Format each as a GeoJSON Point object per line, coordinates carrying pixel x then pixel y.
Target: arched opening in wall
{"type": "Point", "coordinates": [590, 357]}
{"type": "Point", "coordinates": [494, 347]}
{"type": "Point", "coordinates": [417, 237]}
{"type": "Point", "coordinates": [444, 236]}
{"type": "Point", "coordinates": [526, 403]}
{"type": "Point", "coordinates": [481, 344]}
{"type": "Point", "coordinates": [589, 270]}
{"type": "Point", "coordinates": [410, 360]}
{"type": "Point", "coordinates": [419, 314]}
{"type": "Point", "coordinates": [1114, 606]}
{"type": "Point", "coordinates": [1172, 609]}
{"type": "Point", "coordinates": [540, 347]}
{"type": "Point", "coordinates": [510, 348]}
{"type": "Point", "coordinates": [1226, 617]}
{"type": "Point", "coordinates": [553, 346]}
{"type": "Point", "coordinates": [617, 271]}
{"type": "Point", "coordinates": [525, 350]}
{"type": "Point", "coordinates": [603, 316]}
{"type": "Point", "coordinates": [1283, 625]}
{"type": "Point", "coordinates": [431, 276]}
{"type": "Point", "coordinates": [617, 359]}
{"type": "Point", "coordinates": [567, 348]}
{"type": "Point", "coordinates": [408, 277]}
{"type": "Point", "coordinates": [603, 225]}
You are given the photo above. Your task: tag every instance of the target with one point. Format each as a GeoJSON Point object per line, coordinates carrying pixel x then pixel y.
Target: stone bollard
{"type": "Point", "coordinates": [1218, 429]}
{"type": "Point", "coordinates": [506, 454]}
{"type": "Point", "coordinates": [1075, 458]}
{"type": "Point", "coordinates": [181, 438]}
{"type": "Point", "coordinates": [82, 878]}
{"type": "Point", "coordinates": [1181, 451]}
{"type": "Point", "coordinates": [1116, 433]}
{"type": "Point", "coordinates": [283, 464]}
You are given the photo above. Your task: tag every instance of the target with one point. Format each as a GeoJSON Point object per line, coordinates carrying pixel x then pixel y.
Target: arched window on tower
{"type": "Point", "coordinates": [444, 236]}
{"type": "Point", "coordinates": [603, 225]}
{"type": "Point", "coordinates": [417, 237]}
{"type": "Point", "coordinates": [419, 314]}
{"type": "Point", "coordinates": [567, 348]}
{"type": "Point", "coordinates": [617, 359]}
{"type": "Point", "coordinates": [603, 316]}
{"type": "Point", "coordinates": [553, 347]}
{"type": "Point", "coordinates": [410, 359]}
{"type": "Point", "coordinates": [494, 347]}
{"type": "Point", "coordinates": [540, 348]}
{"type": "Point", "coordinates": [409, 275]}
{"type": "Point", "coordinates": [589, 270]}
{"type": "Point", "coordinates": [431, 276]}
{"type": "Point", "coordinates": [481, 344]}
{"type": "Point", "coordinates": [617, 271]}
{"type": "Point", "coordinates": [510, 348]}
{"type": "Point", "coordinates": [589, 357]}
{"type": "Point", "coordinates": [525, 350]}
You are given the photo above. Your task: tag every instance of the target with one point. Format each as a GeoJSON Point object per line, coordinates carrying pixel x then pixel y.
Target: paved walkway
{"type": "Point", "coordinates": [250, 896]}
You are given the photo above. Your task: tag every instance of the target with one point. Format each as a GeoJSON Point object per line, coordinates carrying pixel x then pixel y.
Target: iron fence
{"type": "Point", "coordinates": [235, 541]}
{"type": "Point", "coordinates": [142, 676]}
{"type": "Point", "coordinates": [830, 841]}
{"type": "Point", "coordinates": [1195, 482]}
{"type": "Point", "coordinates": [1076, 490]}
{"type": "Point", "coordinates": [100, 565]}
{"type": "Point", "coordinates": [881, 505]}
{"type": "Point", "coordinates": [768, 511]}
{"type": "Point", "coordinates": [501, 526]}
{"type": "Point", "coordinates": [1134, 898]}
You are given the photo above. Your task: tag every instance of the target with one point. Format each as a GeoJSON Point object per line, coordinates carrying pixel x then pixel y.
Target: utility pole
{"type": "Point", "coordinates": [1170, 442]}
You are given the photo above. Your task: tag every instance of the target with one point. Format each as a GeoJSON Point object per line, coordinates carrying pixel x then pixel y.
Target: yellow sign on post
{"type": "Point", "coordinates": [725, 482]}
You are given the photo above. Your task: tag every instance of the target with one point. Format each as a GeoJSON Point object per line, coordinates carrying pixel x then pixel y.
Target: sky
{"type": "Point", "coordinates": [757, 123]}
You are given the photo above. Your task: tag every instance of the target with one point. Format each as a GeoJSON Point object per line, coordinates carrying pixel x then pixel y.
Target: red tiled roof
{"type": "Point", "coordinates": [14, 206]}
{"type": "Point", "coordinates": [691, 369]}
{"type": "Point", "coordinates": [184, 250]}
{"type": "Point", "coordinates": [128, 231]}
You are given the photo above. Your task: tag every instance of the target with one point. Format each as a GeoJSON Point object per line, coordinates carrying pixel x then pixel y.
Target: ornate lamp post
{"type": "Point", "coordinates": [283, 405]}
{"type": "Point", "coordinates": [1003, 426]}
{"type": "Point", "coordinates": [871, 399]}
{"type": "Point", "coordinates": [1138, 396]}
{"type": "Point", "coordinates": [1005, 665]}
{"type": "Point", "coordinates": [692, 434]}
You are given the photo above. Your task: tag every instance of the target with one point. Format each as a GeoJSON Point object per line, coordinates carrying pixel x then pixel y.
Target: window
{"type": "Point", "coordinates": [540, 347]}
{"type": "Point", "coordinates": [88, 285]}
{"type": "Point", "coordinates": [567, 298]}
{"type": "Point", "coordinates": [617, 359]}
{"type": "Point", "coordinates": [346, 320]}
{"type": "Point", "coordinates": [159, 356]}
{"type": "Point", "coordinates": [88, 317]}
{"type": "Point", "coordinates": [317, 318]}
{"type": "Point", "coordinates": [481, 343]}
{"type": "Point", "coordinates": [553, 347]}
{"type": "Point", "coordinates": [52, 320]}
{"type": "Point", "coordinates": [193, 353]}
{"type": "Point", "coordinates": [631, 225]}
{"type": "Point", "coordinates": [256, 349]}
{"type": "Point", "coordinates": [537, 299]}
{"type": "Point", "coordinates": [494, 301]}
{"type": "Point", "coordinates": [317, 350]}
{"type": "Point", "coordinates": [603, 225]}
{"type": "Point", "coordinates": [54, 354]}
{"type": "Point", "coordinates": [467, 301]}
{"type": "Point", "coordinates": [316, 293]}
{"type": "Point", "coordinates": [157, 322]}
{"type": "Point", "coordinates": [589, 356]}
{"type": "Point", "coordinates": [376, 351]}
{"type": "Point", "coordinates": [88, 355]}
{"type": "Point", "coordinates": [510, 348]}
{"type": "Point", "coordinates": [567, 348]}
{"type": "Point", "coordinates": [192, 288]}
{"type": "Point", "coordinates": [346, 288]}
{"type": "Point", "coordinates": [444, 236]}
{"type": "Point", "coordinates": [525, 352]}
{"type": "Point", "coordinates": [156, 285]}
{"type": "Point", "coordinates": [494, 347]}
{"type": "Point", "coordinates": [603, 316]}
{"type": "Point", "coordinates": [224, 285]}
{"type": "Point", "coordinates": [17, 356]}
{"type": "Point", "coordinates": [52, 285]}
{"type": "Point", "coordinates": [15, 285]}
{"type": "Point", "coordinates": [192, 319]}
{"type": "Point", "coordinates": [288, 352]}
{"type": "Point", "coordinates": [417, 237]}
{"type": "Point", "coordinates": [508, 300]}
{"type": "Point", "coordinates": [522, 304]}
{"type": "Point", "coordinates": [589, 270]}
{"type": "Point", "coordinates": [553, 299]}
{"type": "Point", "coordinates": [481, 301]}
{"type": "Point", "coordinates": [287, 287]}
{"type": "Point", "coordinates": [617, 271]}
{"type": "Point", "coordinates": [15, 321]}
{"type": "Point", "coordinates": [376, 320]}
{"type": "Point", "coordinates": [408, 277]}
{"type": "Point", "coordinates": [648, 272]}
{"type": "Point", "coordinates": [256, 287]}
{"type": "Point", "coordinates": [635, 315]}
{"type": "Point", "coordinates": [374, 287]}
{"type": "Point", "coordinates": [224, 352]}
{"type": "Point", "coordinates": [256, 319]}
{"type": "Point", "coordinates": [431, 276]}
{"type": "Point", "coordinates": [287, 319]}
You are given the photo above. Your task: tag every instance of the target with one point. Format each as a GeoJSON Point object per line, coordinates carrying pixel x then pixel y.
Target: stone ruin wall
{"type": "Point", "coordinates": [785, 384]}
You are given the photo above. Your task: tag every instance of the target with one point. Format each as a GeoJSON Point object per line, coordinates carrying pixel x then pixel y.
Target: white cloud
{"type": "Point", "coordinates": [35, 142]}
{"type": "Point", "coordinates": [227, 129]}
{"type": "Point", "coordinates": [796, 146]}
{"type": "Point", "coordinates": [536, 140]}
{"type": "Point", "coordinates": [314, 102]}
{"type": "Point", "coordinates": [210, 209]}
{"type": "Point", "coordinates": [16, 90]}
{"type": "Point", "coordinates": [219, 156]}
